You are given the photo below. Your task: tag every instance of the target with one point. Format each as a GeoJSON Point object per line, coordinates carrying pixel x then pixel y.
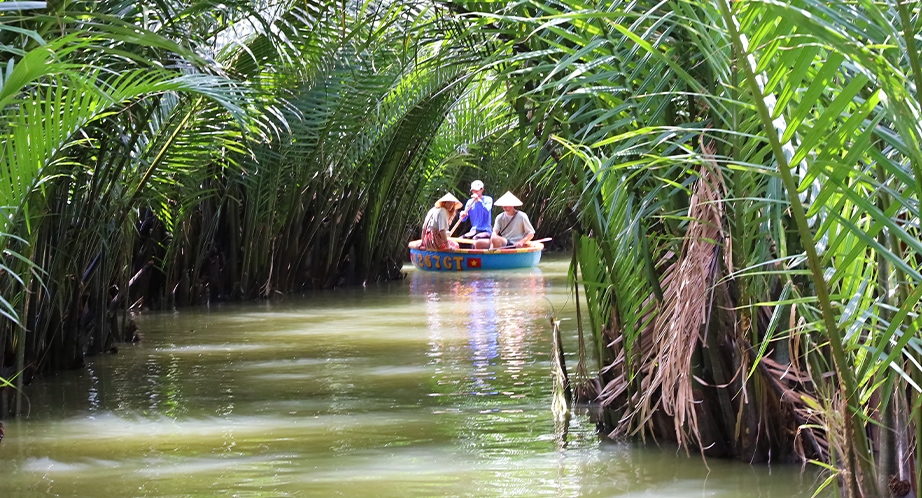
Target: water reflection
{"type": "Point", "coordinates": [494, 389]}
{"type": "Point", "coordinates": [435, 386]}
{"type": "Point", "coordinates": [496, 312]}
{"type": "Point", "coordinates": [481, 328]}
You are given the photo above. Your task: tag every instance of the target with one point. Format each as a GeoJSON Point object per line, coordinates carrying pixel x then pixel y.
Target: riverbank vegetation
{"type": "Point", "coordinates": [741, 181]}
{"type": "Point", "coordinates": [159, 155]}
{"type": "Point", "coordinates": [749, 179]}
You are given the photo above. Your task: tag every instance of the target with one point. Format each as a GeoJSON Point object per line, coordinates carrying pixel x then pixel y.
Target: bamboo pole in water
{"type": "Point", "coordinates": [562, 394]}
{"type": "Point", "coordinates": [21, 347]}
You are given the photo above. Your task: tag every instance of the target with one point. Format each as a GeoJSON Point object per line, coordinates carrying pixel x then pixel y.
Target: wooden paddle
{"type": "Point", "coordinates": [452, 232]}
{"type": "Point", "coordinates": [471, 241]}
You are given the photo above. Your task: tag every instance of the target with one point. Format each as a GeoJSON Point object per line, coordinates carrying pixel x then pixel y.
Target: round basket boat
{"type": "Point", "coordinates": [475, 259]}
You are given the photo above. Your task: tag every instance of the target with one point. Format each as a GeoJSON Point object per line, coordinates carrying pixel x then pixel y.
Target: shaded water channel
{"type": "Point", "coordinates": [435, 386]}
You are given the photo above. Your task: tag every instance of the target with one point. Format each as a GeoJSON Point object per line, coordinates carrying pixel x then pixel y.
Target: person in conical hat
{"type": "Point", "coordinates": [512, 227]}
{"type": "Point", "coordinates": [435, 234]}
{"type": "Point", "coordinates": [479, 209]}
{"type": "Point", "coordinates": [508, 200]}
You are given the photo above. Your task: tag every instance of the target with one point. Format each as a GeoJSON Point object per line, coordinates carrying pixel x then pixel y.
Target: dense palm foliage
{"type": "Point", "coordinates": [89, 115]}
{"type": "Point", "coordinates": [160, 154]}
{"type": "Point", "coordinates": [748, 180]}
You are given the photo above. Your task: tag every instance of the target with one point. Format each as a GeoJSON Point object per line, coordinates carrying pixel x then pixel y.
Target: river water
{"type": "Point", "coordinates": [435, 386]}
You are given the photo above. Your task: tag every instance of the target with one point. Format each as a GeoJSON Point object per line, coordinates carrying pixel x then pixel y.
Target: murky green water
{"type": "Point", "coordinates": [436, 386]}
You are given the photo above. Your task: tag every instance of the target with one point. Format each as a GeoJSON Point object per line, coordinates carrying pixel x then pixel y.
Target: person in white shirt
{"type": "Point", "coordinates": [512, 227]}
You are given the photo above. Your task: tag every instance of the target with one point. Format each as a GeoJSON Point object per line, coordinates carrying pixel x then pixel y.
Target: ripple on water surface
{"type": "Point", "coordinates": [435, 386]}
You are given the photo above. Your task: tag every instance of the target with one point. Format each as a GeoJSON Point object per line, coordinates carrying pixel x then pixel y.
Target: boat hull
{"type": "Point", "coordinates": [475, 259]}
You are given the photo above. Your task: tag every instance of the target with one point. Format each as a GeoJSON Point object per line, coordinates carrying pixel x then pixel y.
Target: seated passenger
{"type": "Point", "coordinates": [436, 225]}
{"type": "Point", "coordinates": [512, 227]}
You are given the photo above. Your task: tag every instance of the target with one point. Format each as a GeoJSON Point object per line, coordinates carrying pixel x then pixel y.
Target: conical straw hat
{"type": "Point", "coordinates": [449, 198]}
{"type": "Point", "coordinates": [507, 200]}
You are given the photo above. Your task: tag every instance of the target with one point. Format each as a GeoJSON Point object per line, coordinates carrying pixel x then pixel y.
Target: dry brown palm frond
{"type": "Point", "coordinates": [686, 307]}
{"type": "Point", "coordinates": [795, 391]}
{"type": "Point", "coordinates": [613, 389]}
{"type": "Point", "coordinates": [642, 353]}
{"type": "Point", "coordinates": [586, 388]}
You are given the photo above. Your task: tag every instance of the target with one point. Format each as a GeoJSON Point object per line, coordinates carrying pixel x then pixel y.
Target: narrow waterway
{"type": "Point", "coordinates": [435, 386]}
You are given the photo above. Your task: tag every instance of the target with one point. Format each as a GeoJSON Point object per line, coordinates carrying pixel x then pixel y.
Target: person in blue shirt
{"type": "Point", "coordinates": [479, 209]}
